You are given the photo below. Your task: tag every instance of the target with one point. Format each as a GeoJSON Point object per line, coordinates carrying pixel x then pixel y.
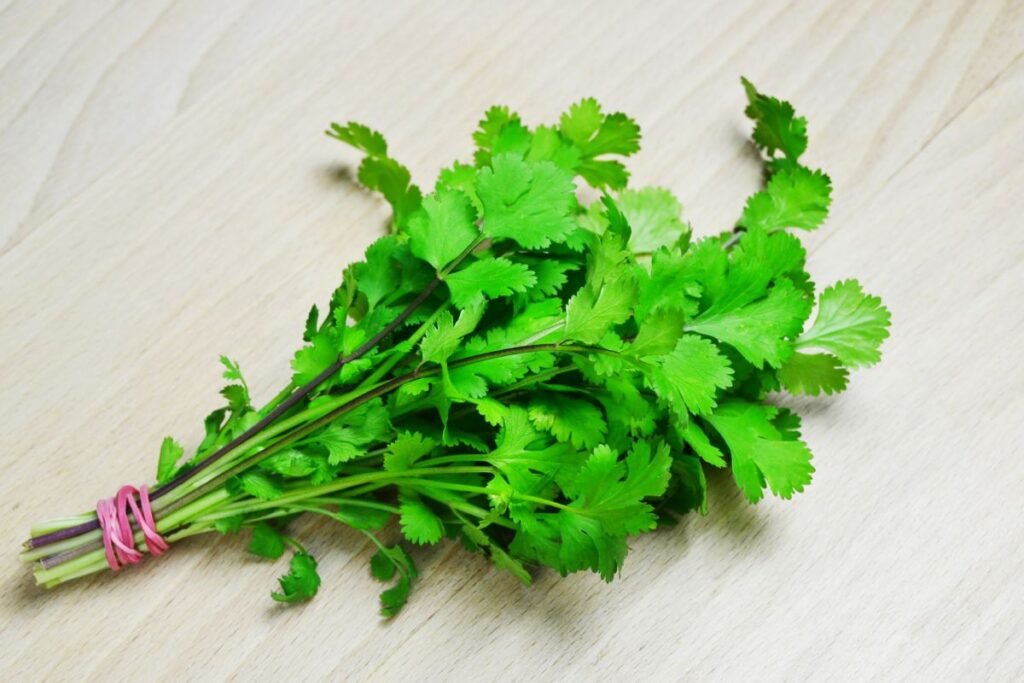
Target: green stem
{"type": "Point", "coordinates": [184, 510]}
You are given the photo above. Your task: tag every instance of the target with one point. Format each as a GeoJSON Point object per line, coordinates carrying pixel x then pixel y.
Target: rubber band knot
{"type": "Point", "coordinates": [118, 536]}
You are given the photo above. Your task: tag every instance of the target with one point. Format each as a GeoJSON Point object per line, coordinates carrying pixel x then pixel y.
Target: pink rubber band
{"type": "Point", "coordinates": [118, 537]}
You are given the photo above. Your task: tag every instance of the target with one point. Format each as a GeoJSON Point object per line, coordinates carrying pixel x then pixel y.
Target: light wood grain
{"type": "Point", "coordinates": [166, 195]}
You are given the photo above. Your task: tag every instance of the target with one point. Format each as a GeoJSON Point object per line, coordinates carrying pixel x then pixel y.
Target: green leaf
{"type": "Point", "coordinates": [654, 218]}
{"type": "Point", "coordinates": [760, 453]}
{"type": "Point", "coordinates": [393, 599]}
{"type": "Point", "coordinates": [777, 127]}
{"type": "Point", "coordinates": [597, 308]}
{"type": "Point", "coordinates": [229, 525]}
{"type": "Point", "coordinates": [349, 436]}
{"type": "Point", "coordinates": [696, 439]}
{"type": "Point", "coordinates": [658, 334]}
{"type": "Point", "coordinates": [671, 285]}
{"type": "Point", "coordinates": [420, 525]}
{"type": "Point", "coordinates": [301, 583]}
{"type": "Point", "coordinates": [170, 453]}
{"type": "Point", "coordinates": [259, 485]}
{"type": "Point", "coordinates": [361, 137]}
{"type": "Point", "coordinates": [442, 340]}
{"type": "Point", "coordinates": [212, 426]}
{"type": "Point", "coordinates": [569, 420]}
{"type": "Point", "coordinates": [377, 276]}
{"type": "Point", "coordinates": [488, 279]}
{"type": "Point", "coordinates": [502, 560]}
{"type": "Point", "coordinates": [290, 462]}
{"type": "Point", "coordinates": [404, 451]}
{"type": "Point", "coordinates": [531, 204]}
{"type": "Point", "coordinates": [595, 134]}
{"type": "Point", "coordinates": [266, 541]}
{"type": "Point", "coordinates": [551, 274]}
{"type": "Point", "coordinates": [393, 181]}
{"type": "Point", "coordinates": [549, 145]}
{"type": "Point", "coordinates": [499, 131]}
{"type": "Point", "coordinates": [581, 123]}
{"type": "Point", "coordinates": [608, 504]}
{"type": "Point", "coordinates": [443, 229]}
{"type": "Point", "coordinates": [310, 361]}
{"type": "Point", "coordinates": [380, 172]}
{"type": "Point", "coordinates": [312, 324]}
{"type": "Point", "coordinates": [461, 177]}
{"type": "Point", "coordinates": [794, 198]}
{"type": "Point", "coordinates": [850, 324]}
{"type": "Point", "coordinates": [381, 567]}
{"type": "Point", "coordinates": [689, 378]}
{"type": "Point", "coordinates": [812, 374]}
{"type": "Point", "coordinates": [761, 330]}
{"type": "Point", "coordinates": [525, 458]}
{"type": "Point", "coordinates": [231, 369]}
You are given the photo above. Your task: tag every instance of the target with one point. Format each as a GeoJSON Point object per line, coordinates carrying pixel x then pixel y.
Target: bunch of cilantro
{"type": "Point", "coordinates": [534, 376]}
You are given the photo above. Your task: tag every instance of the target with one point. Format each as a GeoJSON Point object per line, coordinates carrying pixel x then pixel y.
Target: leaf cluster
{"type": "Point", "coordinates": [566, 372]}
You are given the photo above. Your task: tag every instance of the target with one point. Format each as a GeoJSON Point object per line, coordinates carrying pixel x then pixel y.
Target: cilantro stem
{"type": "Point", "coordinates": [199, 495]}
{"type": "Point", "coordinates": [282, 407]}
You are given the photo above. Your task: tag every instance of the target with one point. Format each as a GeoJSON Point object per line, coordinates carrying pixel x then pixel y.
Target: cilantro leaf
{"type": "Point", "coordinates": [291, 462]}
{"type": "Point", "coordinates": [310, 361]}
{"type": "Point", "coordinates": [760, 453]}
{"type": "Point", "coordinates": [380, 172]}
{"type": "Point", "coordinates": [671, 271]}
{"type": "Point", "coordinates": [348, 437]}
{"type": "Point", "coordinates": [690, 377]}
{"type": "Point", "coordinates": [850, 324]}
{"type": "Point", "coordinates": [404, 451]}
{"type": "Point", "coordinates": [419, 523]}
{"type": "Point", "coordinates": [696, 439]}
{"type": "Point", "coordinates": [549, 145]}
{"type": "Point", "coordinates": [442, 340]}
{"type": "Point", "coordinates": [569, 420]}
{"type": "Point", "coordinates": [794, 198]}
{"type": "Point", "coordinates": [777, 127]}
{"type": "Point", "coordinates": [591, 313]}
{"type": "Point", "coordinates": [392, 180]}
{"type": "Point", "coordinates": [301, 583]}
{"type": "Point", "coordinates": [377, 276]}
{"type": "Point", "coordinates": [488, 279]}
{"type": "Point", "coordinates": [760, 330]}
{"type": "Point", "coordinates": [812, 374]}
{"type": "Point", "coordinates": [170, 453]}
{"type": "Point", "coordinates": [259, 485]}
{"type": "Point", "coordinates": [461, 177]}
{"type": "Point", "coordinates": [608, 504]}
{"type": "Point", "coordinates": [312, 324]}
{"type": "Point", "coordinates": [361, 137]}
{"type": "Point", "coordinates": [500, 131]}
{"type": "Point", "coordinates": [551, 274]}
{"type": "Point", "coordinates": [443, 229]}
{"type": "Point", "coordinates": [595, 134]}
{"type": "Point", "coordinates": [658, 334]}
{"type": "Point", "coordinates": [531, 204]}
{"type": "Point", "coordinates": [384, 566]}
{"type": "Point", "coordinates": [653, 215]}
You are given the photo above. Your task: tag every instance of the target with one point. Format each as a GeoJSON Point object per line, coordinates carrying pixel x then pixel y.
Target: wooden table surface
{"type": "Point", "coordinates": [167, 195]}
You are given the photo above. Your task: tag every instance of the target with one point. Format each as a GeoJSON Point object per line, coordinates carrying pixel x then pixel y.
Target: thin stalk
{"type": "Point", "coordinates": [277, 411]}
{"type": "Point", "coordinates": [73, 558]}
